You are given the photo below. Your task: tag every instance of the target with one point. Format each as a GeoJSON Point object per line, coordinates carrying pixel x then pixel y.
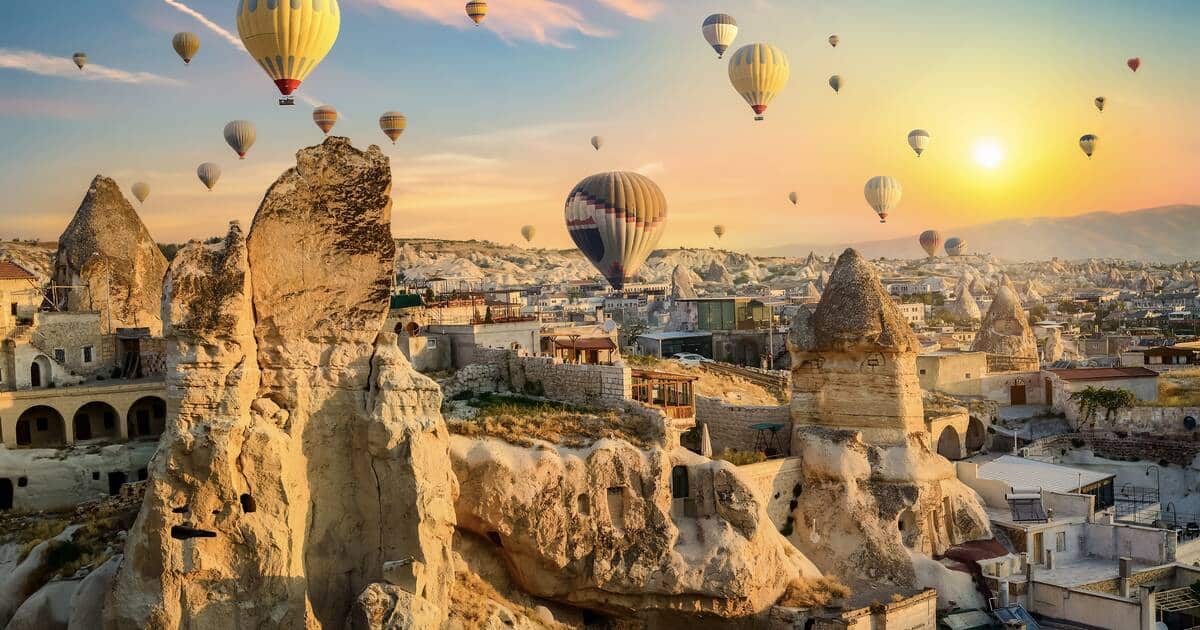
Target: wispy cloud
{"type": "Point", "coordinates": [547, 22]}
{"type": "Point", "coordinates": [637, 9]}
{"type": "Point", "coordinates": [63, 67]}
{"type": "Point", "coordinates": [209, 24]}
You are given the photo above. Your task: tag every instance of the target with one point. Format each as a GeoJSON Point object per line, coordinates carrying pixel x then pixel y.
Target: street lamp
{"type": "Point", "coordinates": [1157, 483]}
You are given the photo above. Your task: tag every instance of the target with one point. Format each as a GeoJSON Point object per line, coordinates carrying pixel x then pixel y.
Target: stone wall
{"type": "Point", "coordinates": [607, 386]}
{"type": "Point", "coordinates": [729, 425]}
{"type": "Point", "coordinates": [1118, 446]}
{"type": "Point", "coordinates": [72, 332]}
{"type": "Point", "coordinates": [1149, 420]}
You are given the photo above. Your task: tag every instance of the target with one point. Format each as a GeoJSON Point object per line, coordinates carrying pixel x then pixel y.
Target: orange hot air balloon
{"type": "Point", "coordinates": [477, 10]}
{"type": "Point", "coordinates": [325, 117]}
{"type": "Point", "coordinates": [1134, 63]}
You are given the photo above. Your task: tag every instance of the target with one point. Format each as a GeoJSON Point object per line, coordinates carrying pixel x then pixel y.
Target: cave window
{"type": "Point", "coordinates": [60, 355]}
{"type": "Point", "coordinates": [679, 482]}
{"type": "Point", "coordinates": [495, 538]}
{"type": "Point", "coordinates": [967, 375]}
{"type": "Point", "coordinates": [87, 354]}
{"type": "Point", "coordinates": [96, 476]}
{"type": "Point", "coordinates": [585, 507]}
{"type": "Point", "coordinates": [142, 474]}
{"type": "Point", "coordinates": [922, 371]}
{"type": "Point", "coordinates": [248, 505]}
{"type": "Point", "coordinates": [22, 482]}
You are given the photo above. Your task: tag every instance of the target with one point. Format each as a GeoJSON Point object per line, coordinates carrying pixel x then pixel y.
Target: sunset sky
{"type": "Point", "coordinates": [500, 116]}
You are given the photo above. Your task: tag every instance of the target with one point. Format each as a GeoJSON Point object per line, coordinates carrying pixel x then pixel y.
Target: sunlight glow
{"type": "Point", "coordinates": [988, 153]}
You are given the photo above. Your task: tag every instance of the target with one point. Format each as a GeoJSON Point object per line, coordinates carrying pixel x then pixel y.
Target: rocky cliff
{"type": "Point", "coordinates": [107, 256]}
{"type": "Point", "coordinates": [302, 453]}
{"type": "Point", "coordinates": [1005, 335]}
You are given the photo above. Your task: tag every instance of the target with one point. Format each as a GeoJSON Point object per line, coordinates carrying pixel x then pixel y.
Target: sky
{"type": "Point", "coordinates": [500, 116]}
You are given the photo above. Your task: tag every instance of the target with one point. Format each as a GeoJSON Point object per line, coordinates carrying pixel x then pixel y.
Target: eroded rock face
{"type": "Point", "coordinates": [598, 527]}
{"type": "Point", "coordinates": [964, 308]}
{"type": "Point", "coordinates": [107, 250]}
{"type": "Point", "coordinates": [873, 491]}
{"type": "Point", "coordinates": [1005, 335]}
{"type": "Point", "coordinates": [301, 451]}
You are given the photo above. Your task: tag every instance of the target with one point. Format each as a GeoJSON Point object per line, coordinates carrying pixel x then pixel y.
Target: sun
{"type": "Point", "coordinates": [988, 153]}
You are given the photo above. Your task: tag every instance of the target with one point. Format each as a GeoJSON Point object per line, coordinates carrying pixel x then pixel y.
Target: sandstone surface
{"type": "Point", "coordinates": [1004, 334]}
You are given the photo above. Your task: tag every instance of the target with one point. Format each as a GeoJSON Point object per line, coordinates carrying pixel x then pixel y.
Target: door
{"type": "Point", "coordinates": [24, 436]}
{"type": "Point", "coordinates": [1038, 554]}
{"type": "Point", "coordinates": [6, 494]}
{"type": "Point", "coordinates": [143, 422]}
{"type": "Point", "coordinates": [1049, 394]}
{"type": "Point", "coordinates": [35, 374]}
{"type": "Point", "coordinates": [1016, 395]}
{"type": "Point", "coordinates": [115, 481]}
{"type": "Point", "coordinates": [83, 427]}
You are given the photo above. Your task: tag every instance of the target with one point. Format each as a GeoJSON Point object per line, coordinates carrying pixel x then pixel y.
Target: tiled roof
{"type": "Point", "coordinates": [13, 271]}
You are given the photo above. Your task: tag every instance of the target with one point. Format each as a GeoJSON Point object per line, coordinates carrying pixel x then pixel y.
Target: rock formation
{"type": "Point", "coordinates": [107, 255]}
{"type": "Point", "coordinates": [599, 528]}
{"type": "Point", "coordinates": [1005, 335]}
{"type": "Point", "coordinates": [964, 308]}
{"type": "Point", "coordinates": [874, 496]}
{"type": "Point", "coordinates": [717, 272]}
{"type": "Point", "coordinates": [1054, 349]}
{"type": "Point", "coordinates": [302, 452]}
{"type": "Point", "coordinates": [681, 284]}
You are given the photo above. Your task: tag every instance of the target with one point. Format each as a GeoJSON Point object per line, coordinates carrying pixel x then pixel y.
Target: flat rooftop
{"type": "Point", "coordinates": [1019, 472]}
{"type": "Point", "coordinates": [1101, 374]}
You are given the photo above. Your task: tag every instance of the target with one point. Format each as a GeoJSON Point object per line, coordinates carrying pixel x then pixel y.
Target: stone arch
{"type": "Point", "coordinates": [95, 420]}
{"type": "Point", "coordinates": [147, 417]}
{"type": "Point", "coordinates": [976, 435]}
{"type": "Point", "coordinates": [41, 372]}
{"type": "Point", "coordinates": [41, 427]}
{"type": "Point", "coordinates": [948, 444]}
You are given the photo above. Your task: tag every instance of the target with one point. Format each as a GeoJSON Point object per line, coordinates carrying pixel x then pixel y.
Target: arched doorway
{"type": "Point", "coordinates": [41, 427]}
{"type": "Point", "coordinates": [976, 435]}
{"type": "Point", "coordinates": [147, 417]}
{"type": "Point", "coordinates": [40, 374]}
{"type": "Point", "coordinates": [907, 525]}
{"type": "Point", "coordinates": [96, 420]}
{"type": "Point", "coordinates": [948, 445]}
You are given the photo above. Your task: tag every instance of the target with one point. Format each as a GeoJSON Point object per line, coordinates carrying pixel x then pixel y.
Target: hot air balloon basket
{"type": "Point", "coordinates": [287, 100]}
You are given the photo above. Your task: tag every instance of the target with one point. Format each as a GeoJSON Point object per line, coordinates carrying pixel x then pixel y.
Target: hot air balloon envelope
{"type": "Point", "coordinates": [719, 31]}
{"type": "Point", "coordinates": [240, 136]}
{"type": "Point", "coordinates": [141, 190]}
{"type": "Point", "coordinates": [1134, 63]}
{"type": "Point", "coordinates": [80, 59]}
{"type": "Point", "coordinates": [597, 142]}
{"type": "Point", "coordinates": [835, 82]}
{"type": "Point", "coordinates": [186, 45]}
{"type": "Point", "coordinates": [325, 118]}
{"type": "Point", "coordinates": [956, 246]}
{"type": "Point", "coordinates": [1088, 143]}
{"type": "Point", "coordinates": [208, 173]}
{"type": "Point", "coordinates": [918, 139]}
{"type": "Point", "coordinates": [793, 197]}
{"type": "Point", "coordinates": [930, 241]}
{"type": "Point", "coordinates": [616, 220]}
{"type": "Point", "coordinates": [833, 40]}
{"type": "Point", "coordinates": [758, 72]}
{"type": "Point", "coordinates": [288, 38]}
{"type": "Point", "coordinates": [477, 10]}
{"type": "Point", "coordinates": [883, 194]}
{"type": "Point", "coordinates": [719, 230]}
{"type": "Point", "coordinates": [393, 124]}
{"type": "Point", "coordinates": [528, 232]}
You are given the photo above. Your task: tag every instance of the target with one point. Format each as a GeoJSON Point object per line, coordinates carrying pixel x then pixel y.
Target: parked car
{"type": "Point", "coordinates": [690, 359]}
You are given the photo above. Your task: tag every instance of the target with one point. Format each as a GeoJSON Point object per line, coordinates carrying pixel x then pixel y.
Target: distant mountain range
{"type": "Point", "coordinates": [1166, 234]}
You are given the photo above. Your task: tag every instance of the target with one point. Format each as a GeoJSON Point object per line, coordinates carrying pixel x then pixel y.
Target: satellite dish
{"type": "Point", "coordinates": [609, 325]}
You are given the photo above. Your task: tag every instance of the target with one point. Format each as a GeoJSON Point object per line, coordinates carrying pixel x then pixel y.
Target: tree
{"type": "Point", "coordinates": [1110, 399]}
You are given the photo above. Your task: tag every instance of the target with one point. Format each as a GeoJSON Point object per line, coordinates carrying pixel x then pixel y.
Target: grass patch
{"type": "Point", "coordinates": [99, 522]}
{"type": "Point", "coordinates": [520, 420]}
{"type": "Point", "coordinates": [472, 601]}
{"type": "Point", "coordinates": [813, 592]}
{"type": "Point", "coordinates": [1177, 388]}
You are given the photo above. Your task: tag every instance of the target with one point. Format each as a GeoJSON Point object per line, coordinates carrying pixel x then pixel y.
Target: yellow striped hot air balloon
{"type": "Point", "coordinates": [288, 38]}
{"type": "Point", "coordinates": [883, 194]}
{"type": "Point", "coordinates": [325, 117]}
{"type": "Point", "coordinates": [477, 10]}
{"type": "Point", "coordinates": [141, 190]}
{"type": "Point", "coordinates": [759, 72]}
{"type": "Point", "coordinates": [186, 45]}
{"type": "Point", "coordinates": [616, 220]}
{"type": "Point", "coordinates": [393, 124]}
{"type": "Point", "coordinates": [80, 59]}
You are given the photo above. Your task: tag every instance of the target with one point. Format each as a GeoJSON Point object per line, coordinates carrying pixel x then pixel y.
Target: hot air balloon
{"type": "Point", "coordinates": [477, 10]}
{"type": "Point", "coordinates": [528, 231]}
{"type": "Point", "coordinates": [793, 197]}
{"type": "Point", "coordinates": [240, 135]}
{"type": "Point", "coordinates": [80, 59]}
{"type": "Point", "coordinates": [208, 173]}
{"type": "Point", "coordinates": [1134, 63]}
{"type": "Point", "coordinates": [325, 117]}
{"type": "Point", "coordinates": [1087, 142]}
{"type": "Point", "coordinates": [758, 72]}
{"type": "Point", "coordinates": [833, 40]}
{"type": "Point", "coordinates": [1100, 103]}
{"type": "Point", "coordinates": [288, 39]}
{"type": "Point", "coordinates": [930, 241]}
{"type": "Point", "coordinates": [616, 219]}
{"type": "Point", "coordinates": [186, 45]}
{"type": "Point", "coordinates": [956, 246]}
{"type": "Point", "coordinates": [883, 193]}
{"type": "Point", "coordinates": [835, 82]}
{"type": "Point", "coordinates": [918, 139]}
{"type": "Point", "coordinates": [719, 31]}
{"type": "Point", "coordinates": [393, 124]}
{"type": "Point", "coordinates": [141, 190]}
{"type": "Point", "coordinates": [719, 230]}
{"type": "Point", "coordinates": [597, 142]}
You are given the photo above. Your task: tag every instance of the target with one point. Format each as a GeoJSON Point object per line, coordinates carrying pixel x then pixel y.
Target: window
{"type": "Point", "coordinates": [60, 355]}
{"type": "Point", "coordinates": [432, 343]}
{"type": "Point", "coordinates": [967, 375]}
{"type": "Point", "coordinates": [12, 309]}
{"type": "Point", "coordinates": [1060, 542]}
{"type": "Point", "coordinates": [87, 354]}
{"type": "Point", "coordinates": [922, 371]}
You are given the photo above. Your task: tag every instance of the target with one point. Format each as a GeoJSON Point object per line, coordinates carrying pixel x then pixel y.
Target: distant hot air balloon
{"type": "Point", "coordinates": [956, 246]}
{"type": "Point", "coordinates": [141, 190]}
{"type": "Point", "coordinates": [477, 10]}
{"type": "Point", "coordinates": [833, 40]}
{"type": "Point", "coordinates": [1134, 63]}
{"type": "Point", "coordinates": [835, 82]}
{"type": "Point", "coordinates": [528, 232]}
{"type": "Point", "coordinates": [240, 135]}
{"type": "Point", "coordinates": [883, 194]}
{"type": "Point", "coordinates": [186, 45]}
{"type": "Point", "coordinates": [1100, 103]}
{"type": "Point", "coordinates": [793, 197]}
{"type": "Point", "coordinates": [758, 72]}
{"type": "Point", "coordinates": [325, 117]}
{"type": "Point", "coordinates": [616, 219]}
{"type": "Point", "coordinates": [208, 173]}
{"type": "Point", "coordinates": [288, 39]}
{"type": "Point", "coordinates": [80, 59]}
{"type": "Point", "coordinates": [930, 241]}
{"type": "Point", "coordinates": [918, 139]}
{"type": "Point", "coordinates": [719, 230]}
{"type": "Point", "coordinates": [597, 142]}
{"type": "Point", "coordinates": [393, 124]}
{"type": "Point", "coordinates": [719, 31]}
{"type": "Point", "coordinates": [1087, 142]}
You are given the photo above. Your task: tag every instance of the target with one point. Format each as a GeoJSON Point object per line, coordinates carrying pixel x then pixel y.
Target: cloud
{"type": "Point", "coordinates": [637, 9]}
{"type": "Point", "coordinates": [36, 107]}
{"type": "Point", "coordinates": [212, 26]}
{"type": "Point", "coordinates": [546, 22]}
{"type": "Point", "coordinates": [64, 67]}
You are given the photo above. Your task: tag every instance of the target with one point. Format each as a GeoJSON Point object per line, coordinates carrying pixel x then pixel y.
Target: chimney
{"type": "Point", "coordinates": [1004, 594]}
{"type": "Point", "coordinates": [1124, 572]}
